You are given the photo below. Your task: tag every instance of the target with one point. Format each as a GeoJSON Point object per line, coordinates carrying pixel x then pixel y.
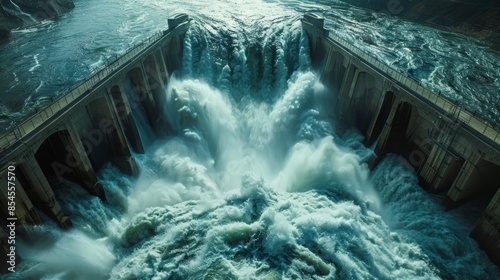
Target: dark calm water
{"type": "Point", "coordinates": [255, 181]}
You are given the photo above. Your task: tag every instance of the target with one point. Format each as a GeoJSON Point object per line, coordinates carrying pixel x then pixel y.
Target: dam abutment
{"type": "Point", "coordinates": [81, 131]}
{"type": "Point", "coordinates": [450, 149]}
{"type": "Point", "coordinates": [39, 190]}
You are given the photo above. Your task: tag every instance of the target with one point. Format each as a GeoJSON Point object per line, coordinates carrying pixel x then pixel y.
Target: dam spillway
{"type": "Point", "coordinates": [357, 88]}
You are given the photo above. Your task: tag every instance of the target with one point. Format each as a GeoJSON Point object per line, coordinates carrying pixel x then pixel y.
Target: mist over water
{"type": "Point", "coordinates": [43, 61]}
{"type": "Point", "coordinates": [255, 181]}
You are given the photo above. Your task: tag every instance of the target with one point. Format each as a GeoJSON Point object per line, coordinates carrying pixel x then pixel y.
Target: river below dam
{"type": "Point", "coordinates": [257, 179]}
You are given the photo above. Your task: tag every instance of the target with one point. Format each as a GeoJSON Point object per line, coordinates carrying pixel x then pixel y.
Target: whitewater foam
{"type": "Point", "coordinates": [255, 182]}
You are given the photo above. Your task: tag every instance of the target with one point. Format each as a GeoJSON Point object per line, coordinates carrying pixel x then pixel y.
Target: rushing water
{"type": "Point", "coordinates": [256, 181]}
{"type": "Point", "coordinates": [43, 61]}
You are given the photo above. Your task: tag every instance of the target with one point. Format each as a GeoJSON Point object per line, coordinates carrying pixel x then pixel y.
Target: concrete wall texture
{"type": "Point", "coordinates": [451, 150]}
{"type": "Point", "coordinates": [80, 132]}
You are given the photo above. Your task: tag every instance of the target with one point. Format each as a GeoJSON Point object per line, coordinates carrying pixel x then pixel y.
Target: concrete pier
{"type": "Point", "coordinates": [123, 111]}
{"type": "Point", "coordinates": [40, 191]}
{"type": "Point", "coordinates": [450, 149]}
{"type": "Point", "coordinates": [488, 227]}
{"type": "Point", "coordinates": [25, 211]}
{"type": "Point", "coordinates": [93, 124]}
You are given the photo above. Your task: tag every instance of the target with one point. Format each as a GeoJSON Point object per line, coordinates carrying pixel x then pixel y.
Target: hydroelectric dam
{"type": "Point", "coordinates": [452, 150]}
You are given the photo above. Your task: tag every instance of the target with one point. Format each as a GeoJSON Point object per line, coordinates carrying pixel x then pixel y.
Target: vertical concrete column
{"type": "Point", "coordinates": [40, 192]}
{"type": "Point", "coordinates": [353, 97]}
{"type": "Point", "coordinates": [178, 26]}
{"type": "Point", "coordinates": [435, 159]}
{"type": "Point", "coordinates": [432, 166]}
{"type": "Point", "coordinates": [78, 160]}
{"type": "Point", "coordinates": [345, 81]}
{"type": "Point", "coordinates": [346, 89]}
{"type": "Point", "coordinates": [440, 169]}
{"type": "Point", "coordinates": [441, 166]}
{"type": "Point", "coordinates": [328, 67]}
{"type": "Point", "coordinates": [154, 71]}
{"type": "Point", "coordinates": [487, 230]}
{"type": "Point", "coordinates": [174, 53]}
{"type": "Point", "coordinates": [149, 102]}
{"type": "Point", "coordinates": [163, 66]}
{"type": "Point", "coordinates": [24, 210]}
{"type": "Point", "coordinates": [467, 181]}
{"type": "Point", "coordinates": [165, 55]}
{"type": "Point", "coordinates": [155, 83]}
{"type": "Point", "coordinates": [369, 135]}
{"type": "Point", "coordinates": [334, 70]}
{"type": "Point", "coordinates": [353, 84]}
{"type": "Point", "coordinates": [122, 108]}
{"type": "Point", "coordinates": [123, 158]}
{"type": "Point", "coordinates": [313, 24]}
{"type": "Point", "coordinates": [314, 40]}
{"type": "Point", "coordinates": [378, 116]}
{"type": "Point", "coordinates": [163, 76]}
{"type": "Point", "coordinates": [381, 146]}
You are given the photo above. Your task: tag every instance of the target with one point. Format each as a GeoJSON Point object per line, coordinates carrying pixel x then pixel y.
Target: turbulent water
{"type": "Point", "coordinates": [43, 61]}
{"type": "Point", "coordinates": [256, 180]}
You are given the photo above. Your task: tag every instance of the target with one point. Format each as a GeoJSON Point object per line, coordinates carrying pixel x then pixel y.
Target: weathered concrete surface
{"type": "Point", "coordinates": [487, 230]}
{"type": "Point", "coordinates": [450, 149]}
{"type": "Point", "coordinates": [91, 125]}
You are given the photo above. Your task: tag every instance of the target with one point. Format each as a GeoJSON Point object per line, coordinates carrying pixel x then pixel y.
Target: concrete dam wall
{"type": "Point", "coordinates": [87, 127]}
{"type": "Point", "coordinates": [450, 149]}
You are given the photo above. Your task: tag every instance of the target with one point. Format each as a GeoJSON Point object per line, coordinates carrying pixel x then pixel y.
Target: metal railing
{"type": "Point", "coordinates": [453, 110]}
{"type": "Point", "coordinates": [31, 123]}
